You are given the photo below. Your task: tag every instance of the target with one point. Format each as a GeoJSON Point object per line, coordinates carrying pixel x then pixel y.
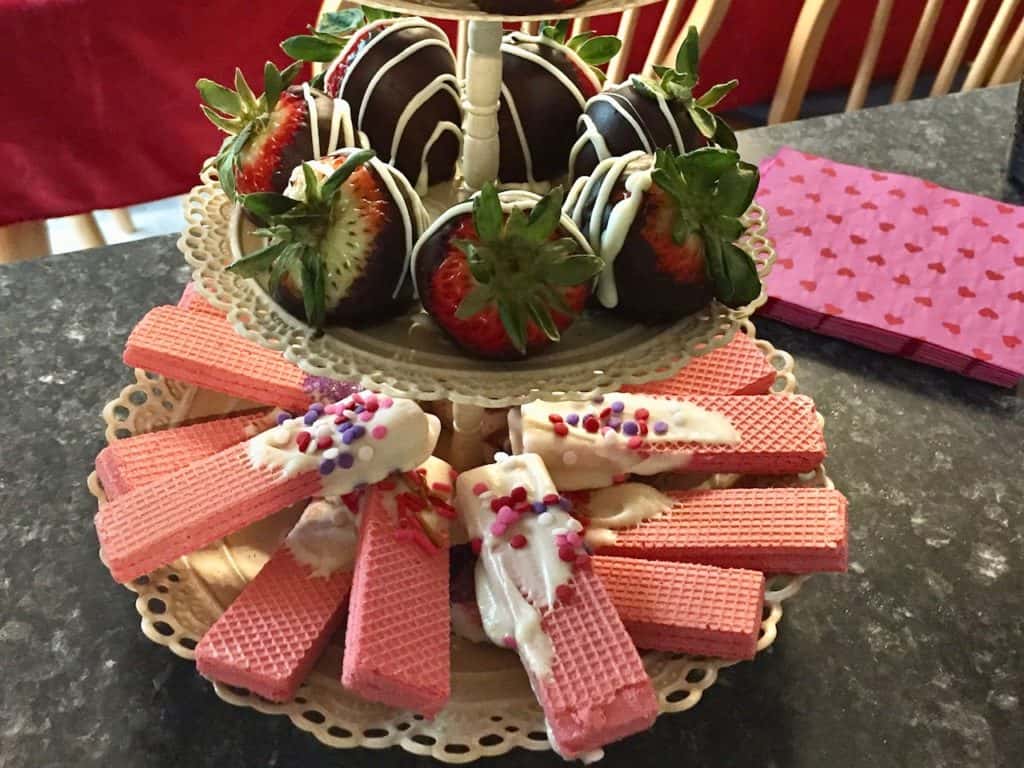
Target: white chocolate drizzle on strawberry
{"type": "Point", "coordinates": [606, 230]}
{"type": "Point", "coordinates": [591, 135]}
{"type": "Point", "coordinates": [528, 547]}
{"type": "Point", "coordinates": [343, 132]}
{"type": "Point", "coordinates": [410, 209]}
{"type": "Point", "coordinates": [510, 45]}
{"type": "Point", "coordinates": [597, 443]}
{"type": "Point", "coordinates": [378, 31]}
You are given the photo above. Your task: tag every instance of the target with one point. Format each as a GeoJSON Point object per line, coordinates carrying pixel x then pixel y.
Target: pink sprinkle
{"type": "Point", "coordinates": [476, 544]}
{"type": "Point", "coordinates": [379, 432]}
{"type": "Point", "coordinates": [560, 429]}
{"type": "Point", "coordinates": [357, 398]}
{"type": "Point", "coordinates": [573, 538]}
{"type": "Point", "coordinates": [302, 440]}
{"type": "Point", "coordinates": [325, 442]}
{"type": "Point", "coordinates": [478, 489]}
{"type": "Point", "coordinates": [508, 641]}
{"type": "Point", "coordinates": [507, 515]}
{"type": "Point", "coordinates": [561, 540]}
{"type": "Point", "coordinates": [567, 554]}
{"type": "Point", "coordinates": [635, 441]}
{"type": "Point", "coordinates": [332, 408]}
{"type": "Point", "coordinates": [551, 498]}
{"type": "Point", "coordinates": [518, 541]}
{"type": "Point", "coordinates": [498, 528]}
{"type": "Point", "coordinates": [441, 487]}
{"type": "Point", "coordinates": [366, 415]}
{"type": "Point", "coordinates": [371, 402]}
{"type": "Point", "coordinates": [387, 402]}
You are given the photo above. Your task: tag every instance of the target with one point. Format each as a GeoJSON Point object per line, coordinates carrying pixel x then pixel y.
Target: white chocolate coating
{"type": "Point", "coordinates": [515, 586]}
{"type": "Point", "coordinates": [584, 460]}
{"type": "Point", "coordinates": [606, 230]}
{"type": "Point", "coordinates": [410, 438]}
{"type": "Point", "coordinates": [325, 538]}
{"type": "Point", "coordinates": [619, 507]}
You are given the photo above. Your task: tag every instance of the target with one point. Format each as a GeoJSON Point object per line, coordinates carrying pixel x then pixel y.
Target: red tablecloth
{"type": "Point", "coordinates": [100, 110]}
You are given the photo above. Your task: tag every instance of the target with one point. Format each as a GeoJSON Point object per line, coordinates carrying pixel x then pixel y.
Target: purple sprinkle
{"type": "Point", "coordinates": [618, 406]}
{"type": "Point", "coordinates": [310, 417]}
{"type": "Point", "coordinates": [346, 460]}
{"type": "Point", "coordinates": [630, 428]}
{"type": "Point", "coordinates": [564, 503]}
{"type": "Point", "coordinates": [326, 466]}
{"type": "Point", "coordinates": [331, 390]}
{"type": "Point", "coordinates": [318, 407]}
{"type": "Point", "coordinates": [357, 431]}
{"type": "Point", "coordinates": [539, 507]}
{"type": "Point", "coordinates": [660, 427]}
{"type": "Point", "coordinates": [573, 419]}
{"type": "Point", "coordinates": [348, 436]}
{"type": "Point", "coordinates": [283, 417]}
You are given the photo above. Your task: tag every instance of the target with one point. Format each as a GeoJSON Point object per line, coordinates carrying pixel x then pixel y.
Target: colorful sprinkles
{"type": "Point", "coordinates": [331, 430]}
{"type": "Point", "coordinates": [612, 421]}
{"type": "Point", "coordinates": [510, 509]}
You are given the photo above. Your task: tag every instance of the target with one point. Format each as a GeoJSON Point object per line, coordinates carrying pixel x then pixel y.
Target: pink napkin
{"type": "Point", "coordinates": [896, 264]}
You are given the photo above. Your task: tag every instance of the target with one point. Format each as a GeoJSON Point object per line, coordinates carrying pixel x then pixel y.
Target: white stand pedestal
{"type": "Point", "coordinates": [481, 95]}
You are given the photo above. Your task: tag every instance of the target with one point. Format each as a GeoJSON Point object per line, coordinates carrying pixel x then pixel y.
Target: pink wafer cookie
{"type": "Point", "coordinates": [270, 637]}
{"type": "Point", "coordinates": [203, 349]}
{"type": "Point", "coordinates": [775, 530]}
{"type": "Point", "coordinates": [328, 452]}
{"type": "Point", "coordinates": [193, 301]}
{"type": "Point", "coordinates": [684, 607]}
{"type": "Point", "coordinates": [135, 461]}
{"type": "Point", "coordinates": [398, 642]}
{"type": "Point", "coordinates": [737, 368]}
{"type": "Point", "coordinates": [594, 444]}
{"type": "Point", "coordinates": [539, 594]}
{"type": "Point", "coordinates": [192, 507]}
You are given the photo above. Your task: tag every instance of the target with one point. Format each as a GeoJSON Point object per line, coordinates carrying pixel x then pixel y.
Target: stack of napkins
{"type": "Point", "coordinates": [896, 264]}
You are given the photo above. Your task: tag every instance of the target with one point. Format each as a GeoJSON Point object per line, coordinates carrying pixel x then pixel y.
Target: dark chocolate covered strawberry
{"type": "Point", "coordinates": [271, 134]}
{"type": "Point", "coordinates": [646, 114]}
{"type": "Point", "coordinates": [667, 231]}
{"type": "Point", "coordinates": [340, 240]}
{"type": "Point", "coordinates": [399, 76]}
{"type": "Point", "coordinates": [546, 81]}
{"type": "Point", "coordinates": [505, 274]}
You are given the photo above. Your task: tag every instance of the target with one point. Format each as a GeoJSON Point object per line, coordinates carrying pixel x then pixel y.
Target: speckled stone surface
{"type": "Point", "coordinates": [912, 659]}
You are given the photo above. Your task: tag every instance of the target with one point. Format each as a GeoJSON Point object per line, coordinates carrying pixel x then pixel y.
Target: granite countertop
{"type": "Point", "coordinates": [911, 659]}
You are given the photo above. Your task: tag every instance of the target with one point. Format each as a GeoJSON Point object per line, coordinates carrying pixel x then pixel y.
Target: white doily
{"type": "Point", "coordinates": [492, 708]}
{"type": "Point", "coordinates": [408, 357]}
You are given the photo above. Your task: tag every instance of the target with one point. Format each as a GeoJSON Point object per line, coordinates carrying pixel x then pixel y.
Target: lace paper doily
{"type": "Point", "coordinates": [409, 358]}
{"type": "Point", "coordinates": [492, 708]}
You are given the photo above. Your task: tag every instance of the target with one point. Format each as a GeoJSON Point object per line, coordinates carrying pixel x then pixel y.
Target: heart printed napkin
{"type": "Point", "coordinates": [897, 264]}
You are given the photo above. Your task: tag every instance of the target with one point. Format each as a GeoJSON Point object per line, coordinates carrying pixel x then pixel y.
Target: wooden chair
{"type": "Point", "coordinates": [995, 62]}
{"type": "Point", "coordinates": [31, 240]}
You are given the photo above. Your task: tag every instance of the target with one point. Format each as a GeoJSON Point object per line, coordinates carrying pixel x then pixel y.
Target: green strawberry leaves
{"type": "Point", "coordinates": [521, 265]}
{"type": "Point", "coordinates": [240, 113]}
{"type": "Point", "coordinates": [711, 188]}
{"type": "Point", "coordinates": [332, 34]}
{"type": "Point", "coordinates": [296, 230]}
{"type": "Point", "coordinates": [594, 50]}
{"type": "Point", "coordinates": [677, 84]}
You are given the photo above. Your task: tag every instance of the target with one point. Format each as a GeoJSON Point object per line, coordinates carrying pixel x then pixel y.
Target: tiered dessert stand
{"type": "Point", "coordinates": [492, 708]}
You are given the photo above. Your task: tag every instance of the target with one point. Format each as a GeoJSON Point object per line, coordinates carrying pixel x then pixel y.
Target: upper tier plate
{"type": "Point", "coordinates": [467, 9]}
{"type": "Point", "coordinates": [409, 357]}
